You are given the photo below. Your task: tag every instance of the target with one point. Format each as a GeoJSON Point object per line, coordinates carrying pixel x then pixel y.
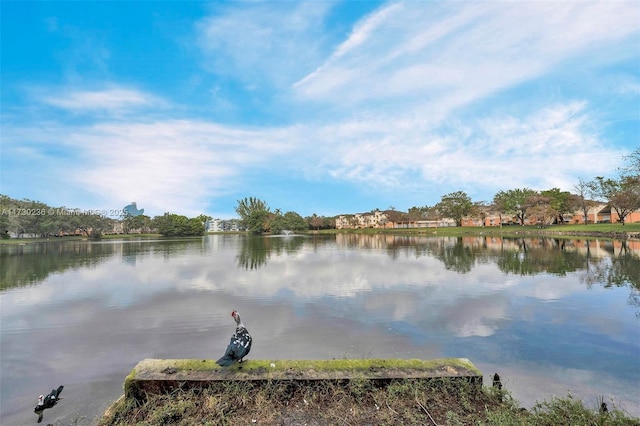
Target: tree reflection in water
{"type": "Point", "coordinates": [598, 262]}
{"type": "Point", "coordinates": [255, 250]}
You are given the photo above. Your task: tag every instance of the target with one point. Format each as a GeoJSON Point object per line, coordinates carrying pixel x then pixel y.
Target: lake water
{"type": "Point", "coordinates": [551, 316]}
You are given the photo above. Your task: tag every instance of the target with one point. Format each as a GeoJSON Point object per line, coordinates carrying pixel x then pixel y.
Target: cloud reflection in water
{"type": "Point", "coordinates": [529, 314]}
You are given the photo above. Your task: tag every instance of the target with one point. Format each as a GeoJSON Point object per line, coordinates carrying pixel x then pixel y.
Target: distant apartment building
{"type": "Point", "coordinates": [602, 213]}
{"type": "Point", "coordinates": [222, 225]}
{"type": "Point", "coordinates": [598, 213]}
{"type": "Point", "coordinates": [381, 219]}
{"type": "Point", "coordinates": [435, 223]}
{"type": "Point", "coordinates": [375, 219]}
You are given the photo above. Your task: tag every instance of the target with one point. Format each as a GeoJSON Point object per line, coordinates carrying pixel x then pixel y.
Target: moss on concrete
{"type": "Point", "coordinates": [156, 376]}
{"type": "Point", "coordinates": [354, 365]}
{"type": "Point", "coordinates": [127, 382]}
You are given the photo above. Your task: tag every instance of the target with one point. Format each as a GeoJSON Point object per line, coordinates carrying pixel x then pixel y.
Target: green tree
{"type": "Point", "coordinates": [316, 221]}
{"type": "Point", "coordinates": [276, 222]}
{"type": "Point", "coordinates": [26, 222]}
{"type": "Point", "coordinates": [513, 202]}
{"type": "Point", "coordinates": [290, 221]}
{"type": "Point", "coordinates": [94, 225]}
{"type": "Point", "coordinates": [329, 222]}
{"type": "Point", "coordinates": [42, 225]}
{"type": "Point", "coordinates": [419, 213]}
{"type": "Point", "coordinates": [195, 227]}
{"type": "Point", "coordinates": [204, 218]}
{"type": "Point", "coordinates": [254, 214]}
{"type": "Point", "coordinates": [4, 227]}
{"type": "Point", "coordinates": [295, 222]}
{"type": "Point", "coordinates": [540, 210]}
{"type": "Point", "coordinates": [622, 195]}
{"type": "Point", "coordinates": [455, 205]}
{"type": "Point", "coordinates": [562, 202]}
{"type": "Point", "coordinates": [174, 225]}
{"type": "Point", "coordinates": [414, 213]}
{"type": "Point", "coordinates": [131, 223]}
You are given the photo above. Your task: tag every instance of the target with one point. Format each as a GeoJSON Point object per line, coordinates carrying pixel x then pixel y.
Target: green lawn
{"type": "Point", "coordinates": [597, 229]}
{"type": "Point", "coordinates": [77, 238]}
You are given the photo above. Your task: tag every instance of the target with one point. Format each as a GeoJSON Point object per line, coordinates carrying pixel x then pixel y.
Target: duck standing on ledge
{"type": "Point", "coordinates": [48, 401]}
{"type": "Point", "coordinates": [239, 346]}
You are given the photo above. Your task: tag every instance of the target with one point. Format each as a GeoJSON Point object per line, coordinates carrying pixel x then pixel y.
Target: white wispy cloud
{"type": "Point", "coordinates": [547, 148]}
{"type": "Point", "coordinates": [454, 53]}
{"type": "Point", "coordinates": [364, 31]}
{"type": "Point", "coordinates": [178, 165]}
{"type": "Point", "coordinates": [417, 71]}
{"type": "Point", "coordinates": [174, 165]}
{"type": "Point", "coordinates": [418, 97]}
{"type": "Point", "coordinates": [263, 43]}
{"type": "Point", "coordinates": [113, 99]}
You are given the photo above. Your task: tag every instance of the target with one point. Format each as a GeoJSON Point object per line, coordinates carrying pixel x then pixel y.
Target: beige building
{"type": "Point", "coordinates": [599, 213]}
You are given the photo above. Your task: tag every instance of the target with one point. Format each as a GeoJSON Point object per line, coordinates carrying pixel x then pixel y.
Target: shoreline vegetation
{"type": "Point", "coordinates": [337, 392]}
{"type": "Point", "coordinates": [604, 230]}
{"type": "Point", "coordinates": [357, 402]}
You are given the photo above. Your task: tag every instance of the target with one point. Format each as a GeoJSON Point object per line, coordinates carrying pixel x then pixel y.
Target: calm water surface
{"type": "Point", "coordinates": [550, 316]}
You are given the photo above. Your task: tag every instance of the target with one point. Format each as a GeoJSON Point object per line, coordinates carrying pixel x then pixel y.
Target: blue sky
{"type": "Point", "coordinates": [315, 107]}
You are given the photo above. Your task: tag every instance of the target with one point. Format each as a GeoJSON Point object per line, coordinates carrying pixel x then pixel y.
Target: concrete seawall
{"type": "Point", "coordinates": [154, 376]}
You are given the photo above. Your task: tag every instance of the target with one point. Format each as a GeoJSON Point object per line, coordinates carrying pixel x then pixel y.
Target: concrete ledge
{"type": "Point", "coordinates": [154, 376]}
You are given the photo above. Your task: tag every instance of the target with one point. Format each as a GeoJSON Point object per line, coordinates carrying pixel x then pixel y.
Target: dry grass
{"type": "Point", "coordinates": [355, 402]}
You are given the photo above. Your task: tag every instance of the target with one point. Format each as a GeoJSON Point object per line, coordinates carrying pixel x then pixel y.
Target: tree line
{"type": "Point", "coordinates": [36, 219]}
{"type": "Point", "coordinates": [541, 207]}
{"type": "Point", "coordinates": [31, 218]}
{"type": "Point", "coordinates": [548, 206]}
{"type": "Point", "coordinates": [536, 207]}
{"type": "Point", "coordinates": [257, 217]}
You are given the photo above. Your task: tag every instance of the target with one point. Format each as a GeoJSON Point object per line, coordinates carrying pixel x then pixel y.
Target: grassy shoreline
{"type": "Point", "coordinates": [357, 402]}
{"type": "Point", "coordinates": [339, 391]}
{"type": "Point", "coordinates": [614, 230]}
{"type": "Point", "coordinates": [80, 238]}
{"type": "Point", "coordinates": [601, 230]}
